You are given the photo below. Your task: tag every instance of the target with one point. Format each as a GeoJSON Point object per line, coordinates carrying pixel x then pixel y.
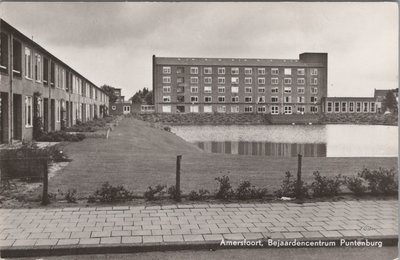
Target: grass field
{"type": "Point", "coordinates": [138, 156]}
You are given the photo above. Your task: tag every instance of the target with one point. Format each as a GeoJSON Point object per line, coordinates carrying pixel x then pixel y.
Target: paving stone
{"type": "Point", "coordinates": [39, 235]}
{"type": "Point", "coordinates": [311, 234]}
{"type": "Point", "coordinates": [152, 239]}
{"type": "Point", "coordinates": [25, 242]}
{"type": "Point", "coordinates": [213, 237]}
{"type": "Point", "coordinates": [292, 235]}
{"type": "Point", "coordinates": [132, 240]}
{"type": "Point", "coordinates": [193, 238]}
{"type": "Point", "coordinates": [4, 242]}
{"type": "Point", "coordinates": [236, 236]}
{"type": "Point", "coordinates": [110, 240]}
{"type": "Point", "coordinates": [68, 241]}
{"type": "Point", "coordinates": [101, 234]}
{"type": "Point", "coordinates": [119, 233]}
{"type": "Point", "coordinates": [330, 234]}
{"type": "Point", "coordinates": [89, 241]}
{"type": "Point", "coordinates": [159, 232]}
{"type": "Point", "coordinates": [253, 236]}
{"type": "Point", "coordinates": [141, 232]}
{"type": "Point", "coordinates": [59, 235]}
{"type": "Point", "coordinates": [46, 242]}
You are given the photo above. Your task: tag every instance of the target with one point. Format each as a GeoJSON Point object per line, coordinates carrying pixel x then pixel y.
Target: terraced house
{"type": "Point", "coordinates": [274, 86]}
{"type": "Point", "coordinates": [36, 85]}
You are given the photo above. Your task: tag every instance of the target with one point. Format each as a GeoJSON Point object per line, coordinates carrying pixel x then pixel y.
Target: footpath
{"type": "Point", "coordinates": [123, 229]}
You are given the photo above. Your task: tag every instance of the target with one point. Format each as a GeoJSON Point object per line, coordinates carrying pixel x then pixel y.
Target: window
{"type": "Point", "coordinates": [300, 71]}
{"type": "Point", "coordinates": [351, 107]}
{"type": "Point", "coordinates": [207, 70]}
{"type": "Point", "coordinates": [248, 99]}
{"type": "Point", "coordinates": [194, 70]}
{"type": "Point", "coordinates": [358, 107]}
{"type": "Point", "coordinates": [314, 109]}
{"type": "Point", "coordinates": [46, 71]}
{"type": "Point", "coordinates": [287, 90]}
{"type": "Point", "coordinates": [247, 81]}
{"type": "Point", "coordinates": [194, 99]}
{"type": "Point", "coordinates": [207, 80]}
{"type": "Point", "coordinates": [52, 77]}
{"type": "Point", "coordinates": [274, 99]}
{"type": "Point", "coordinates": [301, 109]}
{"type": "Point", "coordinates": [261, 81]}
{"type": "Point", "coordinates": [221, 71]}
{"type": "Point", "coordinates": [274, 81]}
{"type": "Point", "coordinates": [329, 107]}
{"type": "Point", "coordinates": [166, 89]}
{"type": "Point", "coordinates": [4, 51]}
{"type": "Point", "coordinates": [28, 111]}
{"type": "Point", "coordinates": [261, 71]}
{"type": "Point", "coordinates": [344, 107]}
{"type": "Point", "coordinates": [372, 107]}
{"type": "Point", "coordinates": [207, 99]}
{"type": "Point", "coordinates": [194, 80]}
{"type": "Point", "coordinates": [248, 90]}
{"type": "Point", "coordinates": [248, 71]}
{"type": "Point", "coordinates": [38, 67]}
{"type": "Point", "coordinates": [235, 80]}
{"type": "Point", "coordinates": [180, 70]}
{"type": "Point", "coordinates": [261, 109]}
{"type": "Point", "coordinates": [275, 90]}
{"type": "Point", "coordinates": [300, 90]}
{"type": "Point", "coordinates": [261, 99]}
{"type": "Point", "coordinates": [127, 108]}
{"type": "Point", "coordinates": [314, 81]}
{"type": "Point", "coordinates": [314, 72]}
{"type": "Point", "coordinates": [261, 90]}
{"type": "Point", "coordinates": [113, 107]}
{"type": "Point", "coordinates": [274, 110]}
{"type": "Point", "coordinates": [166, 70]}
{"type": "Point", "coordinates": [166, 109]}
{"type": "Point", "coordinates": [221, 99]}
{"type": "Point", "coordinates": [248, 109]}
{"type": "Point", "coordinates": [287, 81]}
{"type": "Point", "coordinates": [221, 109]}
{"type": "Point", "coordinates": [301, 81]}
{"type": "Point", "coordinates": [235, 71]}
{"type": "Point", "coordinates": [221, 89]}
{"type": "Point", "coordinates": [207, 109]}
{"type": "Point", "coordinates": [28, 63]}
{"type": "Point", "coordinates": [288, 71]}
{"type": "Point", "coordinates": [314, 90]}
{"type": "Point", "coordinates": [180, 109]}
{"type": "Point", "coordinates": [235, 99]}
{"type": "Point", "coordinates": [287, 110]}
{"type": "Point", "coordinates": [166, 80]}
{"type": "Point", "coordinates": [180, 80]}
{"type": "Point", "coordinates": [194, 109]}
{"type": "Point", "coordinates": [337, 107]}
{"type": "Point", "coordinates": [180, 99]}
{"type": "Point", "coordinates": [235, 89]}
{"type": "Point", "coordinates": [365, 107]}
{"type": "Point", "coordinates": [287, 99]}
{"type": "Point", "coordinates": [301, 99]}
{"type": "Point", "coordinates": [274, 71]}
{"type": "Point", "coordinates": [194, 89]}
{"type": "Point", "coordinates": [167, 99]}
{"type": "Point", "coordinates": [207, 89]}
{"type": "Point", "coordinates": [17, 58]}
{"type": "Point", "coordinates": [221, 80]}
{"type": "Point", "coordinates": [313, 99]}
{"type": "Point", "coordinates": [234, 109]}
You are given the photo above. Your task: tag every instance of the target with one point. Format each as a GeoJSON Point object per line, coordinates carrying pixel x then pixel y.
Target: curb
{"type": "Point", "coordinates": [42, 251]}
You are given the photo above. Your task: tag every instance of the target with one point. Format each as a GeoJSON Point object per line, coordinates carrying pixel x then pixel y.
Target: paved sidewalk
{"type": "Point", "coordinates": [183, 224]}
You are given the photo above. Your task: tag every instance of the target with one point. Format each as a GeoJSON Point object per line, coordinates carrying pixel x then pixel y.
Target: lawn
{"type": "Point", "coordinates": [138, 156]}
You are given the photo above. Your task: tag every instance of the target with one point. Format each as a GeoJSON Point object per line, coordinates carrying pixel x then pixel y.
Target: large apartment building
{"type": "Point", "coordinates": [274, 86]}
{"type": "Point", "coordinates": [32, 80]}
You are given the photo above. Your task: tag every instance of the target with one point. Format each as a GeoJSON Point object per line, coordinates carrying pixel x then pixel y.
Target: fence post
{"type": "Point", "coordinates": [299, 193]}
{"type": "Point", "coordinates": [45, 195]}
{"type": "Point", "coordinates": [178, 178]}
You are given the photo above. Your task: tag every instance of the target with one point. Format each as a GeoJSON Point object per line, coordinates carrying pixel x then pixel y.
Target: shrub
{"type": "Point", "coordinates": [57, 155]}
{"type": "Point", "coordinates": [201, 195]}
{"type": "Point", "coordinates": [323, 186]}
{"type": "Point", "coordinates": [246, 191]}
{"type": "Point", "coordinates": [154, 193]}
{"type": "Point", "coordinates": [70, 196]}
{"type": "Point", "coordinates": [167, 128]}
{"type": "Point", "coordinates": [60, 136]}
{"type": "Point", "coordinates": [225, 189]}
{"type": "Point", "coordinates": [289, 187]}
{"type": "Point", "coordinates": [355, 185]}
{"type": "Point", "coordinates": [381, 181]}
{"type": "Point", "coordinates": [109, 193]}
{"type": "Point", "coordinates": [173, 193]}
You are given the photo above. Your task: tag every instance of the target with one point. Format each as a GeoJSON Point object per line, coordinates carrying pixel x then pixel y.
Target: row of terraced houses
{"type": "Point", "coordinates": [32, 80]}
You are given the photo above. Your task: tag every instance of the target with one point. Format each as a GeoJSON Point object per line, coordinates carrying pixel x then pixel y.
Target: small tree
{"type": "Point", "coordinates": [390, 102]}
{"type": "Point", "coordinates": [110, 93]}
{"type": "Point", "coordinates": [149, 98]}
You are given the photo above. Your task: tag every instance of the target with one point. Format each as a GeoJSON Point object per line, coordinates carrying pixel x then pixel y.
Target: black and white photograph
{"type": "Point", "coordinates": [199, 130]}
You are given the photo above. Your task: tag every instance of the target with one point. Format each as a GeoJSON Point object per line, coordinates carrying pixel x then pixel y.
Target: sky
{"type": "Point", "coordinates": [113, 43]}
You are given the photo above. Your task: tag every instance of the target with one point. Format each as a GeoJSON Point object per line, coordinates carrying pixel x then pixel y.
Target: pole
{"type": "Point", "coordinates": [45, 195]}
{"type": "Point", "coordinates": [178, 178]}
{"type": "Point", "coordinates": [299, 195]}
